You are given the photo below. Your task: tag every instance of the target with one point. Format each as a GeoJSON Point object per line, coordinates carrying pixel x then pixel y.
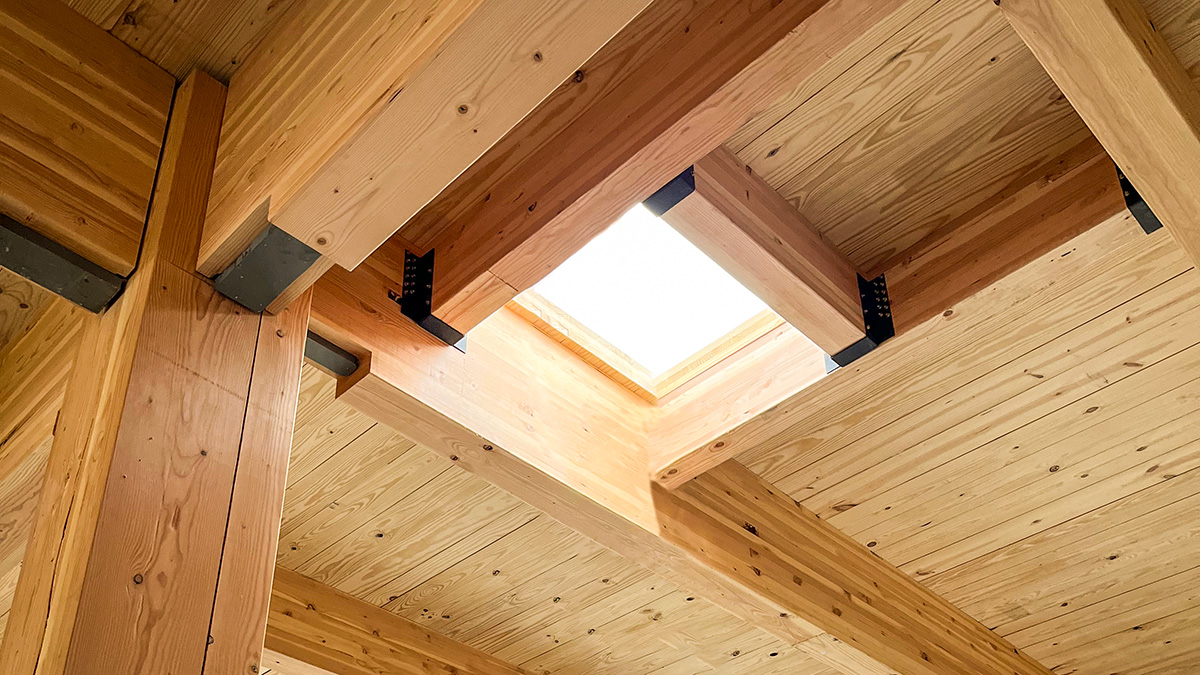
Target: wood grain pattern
{"type": "Point", "coordinates": [504, 60]}
{"type": "Point", "coordinates": [576, 609]}
{"type": "Point", "coordinates": [321, 626]}
{"type": "Point", "coordinates": [295, 101]}
{"type": "Point", "coordinates": [533, 205]}
{"type": "Point", "coordinates": [751, 231]}
{"type": "Point", "coordinates": [596, 498]}
{"type": "Point", "coordinates": [81, 132]}
{"type": "Point", "coordinates": [792, 552]}
{"type": "Point", "coordinates": [123, 568]}
{"type": "Point", "coordinates": [215, 36]}
{"type": "Point", "coordinates": [1132, 91]}
{"type": "Point", "coordinates": [21, 303]}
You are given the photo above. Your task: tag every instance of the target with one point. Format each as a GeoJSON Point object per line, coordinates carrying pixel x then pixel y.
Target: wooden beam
{"type": "Point", "coordinates": [80, 132]}
{"type": "Point", "coordinates": [746, 227]}
{"type": "Point", "coordinates": [735, 522]}
{"type": "Point", "coordinates": [134, 560]}
{"type": "Point", "coordinates": [507, 408]}
{"type": "Point", "coordinates": [641, 112]}
{"type": "Point", "coordinates": [320, 626]}
{"type": "Point", "coordinates": [1131, 90]}
{"type": "Point", "coordinates": [342, 123]}
{"type": "Point", "coordinates": [1038, 212]}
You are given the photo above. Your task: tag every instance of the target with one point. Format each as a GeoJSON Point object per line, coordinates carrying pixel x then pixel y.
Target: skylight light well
{"type": "Point", "coordinates": [649, 292]}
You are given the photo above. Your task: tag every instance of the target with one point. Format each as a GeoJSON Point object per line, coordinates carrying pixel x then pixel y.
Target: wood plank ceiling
{"type": "Point", "coordinates": [1042, 472]}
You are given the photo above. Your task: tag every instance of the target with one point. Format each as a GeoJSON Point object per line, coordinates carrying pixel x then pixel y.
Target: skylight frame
{"type": "Point", "coordinates": [739, 343]}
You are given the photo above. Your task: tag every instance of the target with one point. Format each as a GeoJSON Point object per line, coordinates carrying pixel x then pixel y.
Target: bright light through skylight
{"type": "Point", "coordinates": [645, 289]}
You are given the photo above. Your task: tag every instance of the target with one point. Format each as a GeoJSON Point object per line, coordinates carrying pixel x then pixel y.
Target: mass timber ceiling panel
{"type": "Point", "coordinates": [215, 36]}
{"type": "Point", "coordinates": [1038, 477]}
{"type": "Point", "coordinates": [929, 125]}
{"type": "Point", "coordinates": [373, 515]}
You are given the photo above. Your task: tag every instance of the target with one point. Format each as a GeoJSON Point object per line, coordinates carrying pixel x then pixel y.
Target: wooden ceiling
{"type": "Point", "coordinates": [1036, 463]}
{"type": "Point", "coordinates": [373, 515]}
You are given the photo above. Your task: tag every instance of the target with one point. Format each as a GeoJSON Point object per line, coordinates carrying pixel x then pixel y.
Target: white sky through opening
{"type": "Point", "coordinates": [648, 291]}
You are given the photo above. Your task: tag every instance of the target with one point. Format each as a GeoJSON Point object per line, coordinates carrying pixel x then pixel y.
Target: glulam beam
{"type": "Point", "coordinates": [1039, 211]}
{"type": "Point", "coordinates": [320, 626]}
{"type": "Point", "coordinates": [350, 116]}
{"type": "Point", "coordinates": [156, 526]}
{"type": "Point", "coordinates": [761, 240]}
{"type": "Point", "coordinates": [1131, 90]}
{"type": "Point", "coordinates": [662, 94]}
{"type": "Point", "coordinates": [511, 406]}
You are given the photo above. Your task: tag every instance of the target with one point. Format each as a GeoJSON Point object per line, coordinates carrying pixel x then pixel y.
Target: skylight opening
{"type": "Point", "coordinates": [647, 291]}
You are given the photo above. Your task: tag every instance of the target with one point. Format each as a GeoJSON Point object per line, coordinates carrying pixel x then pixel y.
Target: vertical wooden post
{"type": "Point", "coordinates": [153, 544]}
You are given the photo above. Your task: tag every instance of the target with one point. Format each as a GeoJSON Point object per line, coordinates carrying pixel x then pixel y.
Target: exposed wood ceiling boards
{"type": "Point", "coordinates": [317, 624]}
{"type": "Point", "coordinates": [81, 131]}
{"type": "Point", "coordinates": [795, 553]}
{"type": "Point", "coordinates": [215, 36]}
{"type": "Point", "coordinates": [511, 581]}
{"type": "Point", "coordinates": [528, 206]}
{"type": "Point", "coordinates": [1037, 488]}
{"type": "Point", "coordinates": [505, 407]}
{"type": "Point", "coordinates": [1133, 92]}
{"type": "Point", "coordinates": [892, 126]}
{"type": "Point", "coordinates": [745, 226]}
{"type": "Point", "coordinates": [211, 35]}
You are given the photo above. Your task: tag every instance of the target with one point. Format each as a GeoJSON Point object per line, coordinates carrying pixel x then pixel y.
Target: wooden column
{"type": "Point", "coordinates": [153, 543]}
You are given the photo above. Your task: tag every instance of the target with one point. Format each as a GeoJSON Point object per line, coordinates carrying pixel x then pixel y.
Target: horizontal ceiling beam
{"type": "Point", "coordinates": [750, 230]}
{"type": "Point", "coordinates": [510, 407]}
{"type": "Point", "coordinates": [666, 91]}
{"type": "Point", "coordinates": [81, 133]}
{"type": "Point", "coordinates": [350, 116]}
{"type": "Point", "coordinates": [317, 625]}
{"type": "Point", "coordinates": [1133, 93]}
{"type": "Point", "coordinates": [1039, 211]}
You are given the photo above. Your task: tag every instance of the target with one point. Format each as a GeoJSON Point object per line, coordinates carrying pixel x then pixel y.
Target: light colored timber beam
{"type": "Point", "coordinates": [749, 229]}
{"type": "Point", "coordinates": [80, 131]}
{"type": "Point", "coordinates": [1039, 211]}
{"type": "Point", "coordinates": [1131, 90]}
{"type": "Point", "coordinates": [323, 627]}
{"type": "Point", "coordinates": [666, 91]}
{"type": "Point", "coordinates": [351, 116]}
{"type": "Point", "coordinates": [523, 412]}
{"type": "Point", "coordinates": [155, 531]}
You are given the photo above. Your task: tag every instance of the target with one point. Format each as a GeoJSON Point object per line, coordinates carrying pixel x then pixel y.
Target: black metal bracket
{"type": "Point", "coordinates": [877, 321]}
{"type": "Point", "coordinates": [672, 193]}
{"type": "Point", "coordinates": [1138, 206]}
{"type": "Point", "coordinates": [56, 268]}
{"type": "Point", "coordinates": [416, 300]}
{"type": "Point", "coordinates": [329, 356]}
{"type": "Point", "coordinates": [265, 269]}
